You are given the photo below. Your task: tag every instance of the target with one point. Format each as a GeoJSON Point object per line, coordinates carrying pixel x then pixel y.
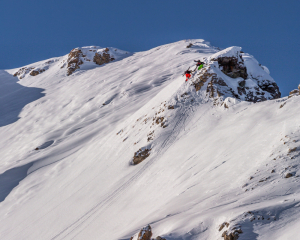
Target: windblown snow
{"type": "Point", "coordinates": [106, 144]}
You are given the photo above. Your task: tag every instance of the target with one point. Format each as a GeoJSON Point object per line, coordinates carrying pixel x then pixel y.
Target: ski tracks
{"type": "Point", "coordinates": [88, 217]}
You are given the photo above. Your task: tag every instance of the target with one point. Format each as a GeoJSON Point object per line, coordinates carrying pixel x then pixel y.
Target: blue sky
{"type": "Point", "coordinates": [35, 30]}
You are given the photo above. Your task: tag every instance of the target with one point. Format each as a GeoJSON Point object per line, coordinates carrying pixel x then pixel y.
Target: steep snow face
{"type": "Point", "coordinates": [112, 148]}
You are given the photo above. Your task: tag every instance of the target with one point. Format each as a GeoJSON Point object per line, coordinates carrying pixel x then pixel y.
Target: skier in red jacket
{"type": "Point", "coordinates": [187, 74]}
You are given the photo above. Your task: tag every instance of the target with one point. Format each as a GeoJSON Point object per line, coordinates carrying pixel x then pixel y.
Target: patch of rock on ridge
{"type": "Point", "coordinates": [234, 235]}
{"type": "Point", "coordinates": [79, 56]}
{"type": "Point", "coordinates": [146, 234]}
{"type": "Point", "coordinates": [103, 58]}
{"type": "Point", "coordinates": [295, 92]}
{"type": "Point", "coordinates": [22, 72]}
{"type": "Point", "coordinates": [230, 234]}
{"type": "Point", "coordinates": [74, 60]}
{"type": "Point", "coordinates": [37, 72]}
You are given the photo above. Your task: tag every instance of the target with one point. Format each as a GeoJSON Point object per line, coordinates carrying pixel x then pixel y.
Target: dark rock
{"type": "Point", "coordinates": [232, 67]}
{"type": "Point", "coordinates": [159, 120]}
{"type": "Point", "coordinates": [288, 175]}
{"type": "Point", "coordinates": [242, 83]}
{"type": "Point", "coordinates": [36, 72]}
{"type": "Point", "coordinates": [241, 91]}
{"type": "Point", "coordinates": [141, 155]}
{"type": "Point", "coordinates": [159, 238]}
{"type": "Point", "coordinates": [270, 87]}
{"type": "Point", "coordinates": [190, 45]}
{"type": "Point", "coordinates": [170, 107]}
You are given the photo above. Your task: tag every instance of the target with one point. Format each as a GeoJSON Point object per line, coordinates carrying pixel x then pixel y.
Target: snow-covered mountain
{"type": "Point", "coordinates": [106, 144]}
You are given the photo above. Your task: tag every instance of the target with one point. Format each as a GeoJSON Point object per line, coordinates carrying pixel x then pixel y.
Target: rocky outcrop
{"type": "Point", "coordinates": [103, 58]}
{"type": "Point", "coordinates": [225, 224]}
{"type": "Point", "coordinates": [80, 55]}
{"type": "Point", "coordinates": [22, 72]}
{"type": "Point", "coordinates": [295, 92]}
{"type": "Point", "coordinates": [198, 84]}
{"type": "Point", "coordinates": [270, 87]}
{"type": "Point", "coordinates": [232, 66]}
{"type": "Point", "coordinates": [141, 155]}
{"type": "Point", "coordinates": [254, 85]}
{"type": "Point", "coordinates": [37, 72]}
{"type": "Point", "coordinates": [146, 234]}
{"type": "Point", "coordinates": [74, 60]}
{"type": "Point", "coordinates": [233, 235]}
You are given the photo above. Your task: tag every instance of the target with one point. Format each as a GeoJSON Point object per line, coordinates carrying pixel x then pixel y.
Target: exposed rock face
{"type": "Point", "coordinates": [232, 66]}
{"type": "Point", "coordinates": [74, 60]}
{"type": "Point", "coordinates": [141, 155]}
{"type": "Point", "coordinates": [203, 79]}
{"type": "Point", "coordinates": [36, 72]}
{"type": "Point", "coordinates": [226, 74]}
{"type": "Point", "coordinates": [103, 58]}
{"type": "Point", "coordinates": [145, 233]}
{"type": "Point", "coordinates": [80, 55]}
{"type": "Point", "coordinates": [270, 87]}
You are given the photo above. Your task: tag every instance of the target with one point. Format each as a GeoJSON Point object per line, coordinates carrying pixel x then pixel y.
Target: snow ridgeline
{"type": "Point", "coordinates": [89, 56]}
{"type": "Point", "coordinates": [129, 144]}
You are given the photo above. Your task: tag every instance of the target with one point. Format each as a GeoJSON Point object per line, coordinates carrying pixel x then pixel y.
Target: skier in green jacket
{"type": "Point", "coordinates": [199, 64]}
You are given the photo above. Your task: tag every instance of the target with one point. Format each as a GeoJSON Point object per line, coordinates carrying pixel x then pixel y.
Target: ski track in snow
{"type": "Point", "coordinates": [109, 200]}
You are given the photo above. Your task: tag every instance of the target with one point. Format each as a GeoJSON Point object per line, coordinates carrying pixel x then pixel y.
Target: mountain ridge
{"type": "Point", "coordinates": [202, 147]}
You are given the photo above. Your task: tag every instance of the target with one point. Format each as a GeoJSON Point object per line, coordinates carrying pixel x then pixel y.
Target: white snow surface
{"type": "Point", "coordinates": [208, 164]}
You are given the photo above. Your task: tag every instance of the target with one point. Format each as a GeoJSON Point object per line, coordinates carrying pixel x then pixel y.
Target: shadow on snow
{"type": "Point", "coordinates": [13, 97]}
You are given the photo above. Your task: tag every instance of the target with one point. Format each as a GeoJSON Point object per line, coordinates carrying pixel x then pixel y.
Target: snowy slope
{"type": "Point", "coordinates": [218, 151]}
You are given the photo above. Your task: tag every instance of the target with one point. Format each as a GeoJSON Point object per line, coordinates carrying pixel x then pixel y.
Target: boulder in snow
{"type": "Point", "coordinates": [37, 72]}
{"type": "Point", "coordinates": [141, 155]}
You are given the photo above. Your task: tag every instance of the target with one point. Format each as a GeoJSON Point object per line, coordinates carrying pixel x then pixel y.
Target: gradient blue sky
{"type": "Point", "coordinates": [36, 30]}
